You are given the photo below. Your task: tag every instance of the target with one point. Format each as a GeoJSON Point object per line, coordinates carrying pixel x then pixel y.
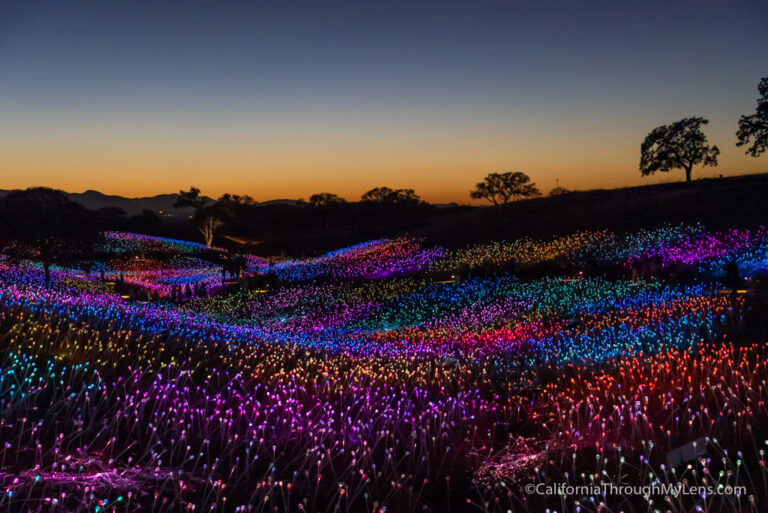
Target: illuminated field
{"type": "Point", "coordinates": [387, 376]}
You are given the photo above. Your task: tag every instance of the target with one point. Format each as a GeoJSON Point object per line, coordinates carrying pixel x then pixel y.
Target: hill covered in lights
{"type": "Point", "coordinates": [395, 374]}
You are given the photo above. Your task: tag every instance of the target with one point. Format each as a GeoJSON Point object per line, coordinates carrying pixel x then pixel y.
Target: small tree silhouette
{"type": "Point", "coordinates": [680, 145]}
{"type": "Point", "coordinates": [387, 195]}
{"type": "Point", "coordinates": [232, 200]}
{"type": "Point", "coordinates": [755, 127]}
{"type": "Point", "coordinates": [501, 188]}
{"type": "Point", "coordinates": [207, 217]}
{"type": "Point", "coordinates": [325, 198]}
{"type": "Point", "coordinates": [558, 191]}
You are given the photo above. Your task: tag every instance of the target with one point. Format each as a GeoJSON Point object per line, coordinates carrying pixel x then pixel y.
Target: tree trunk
{"type": "Point", "coordinates": [208, 236]}
{"type": "Point", "coordinates": [207, 232]}
{"type": "Point", "coordinates": [687, 174]}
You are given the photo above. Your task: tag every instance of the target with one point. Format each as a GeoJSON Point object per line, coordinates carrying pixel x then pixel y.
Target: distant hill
{"type": "Point", "coordinates": [161, 204]}
{"type": "Point", "coordinates": [717, 203]}
{"type": "Point", "coordinates": [290, 202]}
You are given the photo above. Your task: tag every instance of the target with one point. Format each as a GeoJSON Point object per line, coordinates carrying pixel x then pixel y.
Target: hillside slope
{"type": "Point", "coordinates": [716, 203]}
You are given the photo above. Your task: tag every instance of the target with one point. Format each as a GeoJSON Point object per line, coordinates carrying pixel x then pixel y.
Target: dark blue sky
{"type": "Point", "coordinates": [283, 99]}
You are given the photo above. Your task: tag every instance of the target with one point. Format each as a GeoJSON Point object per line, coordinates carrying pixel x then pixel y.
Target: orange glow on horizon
{"type": "Point", "coordinates": [441, 170]}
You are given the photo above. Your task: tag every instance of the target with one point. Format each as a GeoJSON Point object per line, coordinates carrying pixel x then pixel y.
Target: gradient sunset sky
{"type": "Point", "coordinates": [284, 99]}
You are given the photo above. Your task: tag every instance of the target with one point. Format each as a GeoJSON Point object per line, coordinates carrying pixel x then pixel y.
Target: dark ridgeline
{"type": "Point", "coordinates": [300, 228]}
{"type": "Point", "coordinates": [718, 203]}
{"type": "Point", "coordinates": [325, 222]}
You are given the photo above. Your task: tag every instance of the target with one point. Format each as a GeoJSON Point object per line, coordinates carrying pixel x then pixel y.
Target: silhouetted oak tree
{"type": "Point", "coordinates": [501, 188]}
{"type": "Point", "coordinates": [207, 217]}
{"type": "Point", "coordinates": [680, 145]}
{"type": "Point", "coordinates": [755, 127]}
{"type": "Point", "coordinates": [394, 196]}
{"type": "Point", "coordinates": [325, 198]}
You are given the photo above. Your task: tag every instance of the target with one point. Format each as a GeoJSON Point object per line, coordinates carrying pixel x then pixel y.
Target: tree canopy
{"type": "Point", "coordinates": [680, 145]}
{"type": "Point", "coordinates": [558, 191]}
{"type": "Point", "coordinates": [235, 200]}
{"type": "Point", "coordinates": [754, 128]}
{"type": "Point", "coordinates": [394, 196]}
{"type": "Point", "coordinates": [501, 188]}
{"type": "Point", "coordinates": [208, 217]}
{"type": "Point", "coordinates": [325, 198]}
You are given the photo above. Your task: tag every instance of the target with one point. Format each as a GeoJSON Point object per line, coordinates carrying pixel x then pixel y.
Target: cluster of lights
{"type": "Point", "coordinates": [376, 259]}
{"type": "Point", "coordinates": [710, 252]}
{"type": "Point", "coordinates": [158, 264]}
{"type": "Point", "coordinates": [705, 251]}
{"type": "Point", "coordinates": [361, 384]}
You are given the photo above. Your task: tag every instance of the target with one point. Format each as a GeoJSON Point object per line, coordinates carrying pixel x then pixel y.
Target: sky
{"type": "Point", "coordinates": [287, 98]}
